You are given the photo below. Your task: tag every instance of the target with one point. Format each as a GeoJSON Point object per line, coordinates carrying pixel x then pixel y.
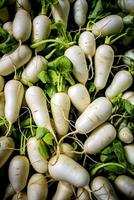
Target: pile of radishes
{"type": "Point", "coordinates": [66, 100]}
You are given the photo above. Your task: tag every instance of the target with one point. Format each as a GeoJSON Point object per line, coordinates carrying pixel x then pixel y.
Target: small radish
{"type": "Point", "coordinates": [125, 135]}
{"type": "Point", "coordinates": [20, 196]}
{"type": "Point", "coordinates": [60, 106]}
{"type": "Point", "coordinates": [37, 188]}
{"type": "Point", "coordinates": [104, 58]}
{"type": "Point", "coordinates": [129, 152]}
{"type": "Point", "coordinates": [79, 96]}
{"type": "Point", "coordinates": [18, 172]}
{"type": "Point", "coordinates": [77, 57]}
{"type": "Point", "coordinates": [8, 26]}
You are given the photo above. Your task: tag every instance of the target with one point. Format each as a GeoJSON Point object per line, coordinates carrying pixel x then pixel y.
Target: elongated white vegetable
{"type": "Point", "coordinates": [125, 135]}
{"type": "Point", "coordinates": [110, 25]}
{"type": "Point", "coordinates": [126, 5]}
{"type": "Point", "coordinates": [14, 92]}
{"type": "Point", "coordinates": [60, 11]}
{"type": "Point", "coordinates": [2, 104]}
{"type": "Point", "coordinates": [18, 172]}
{"type": "Point", "coordinates": [127, 94]}
{"type": "Point", "coordinates": [94, 115]}
{"type": "Point", "coordinates": [41, 30]}
{"type": "Point", "coordinates": [102, 136]}
{"type": "Point", "coordinates": [20, 196]}
{"type": "Point", "coordinates": [7, 145]}
{"type": "Point", "coordinates": [121, 82]}
{"type": "Point", "coordinates": [24, 4]}
{"type": "Point", "coordinates": [128, 58]}
{"type": "Point", "coordinates": [15, 60]}
{"type": "Point", "coordinates": [64, 191]}
{"type": "Point", "coordinates": [129, 152]}
{"type": "Point", "coordinates": [60, 167]}
{"type": "Point", "coordinates": [125, 185]}
{"type": "Point", "coordinates": [66, 148]}
{"type": "Point", "coordinates": [103, 189]}
{"type": "Point", "coordinates": [38, 162]}
{"type": "Point", "coordinates": [80, 12]}
{"type": "Point", "coordinates": [104, 58]}
{"type": "Point", "coordinates": [60, 106]}
{"type": "Point", "coordinates": [4, 14]}
{"type": "Point", "coordinates": [37, 187]}
{"type": "Point", "coordinates": [82, 194]}
{"type": "Point", "coordinates": [36, 101]}
{"type": "Point", "coordinates": [79, 96]}
{"type": "Point", "coordinates": [8, 26]}
{"type": "Point", "coordinates": [77, 57]}
{"type": "Point", "coordinates": [22, 25]}
{"type": "Point", "coordinates": [32, 69]}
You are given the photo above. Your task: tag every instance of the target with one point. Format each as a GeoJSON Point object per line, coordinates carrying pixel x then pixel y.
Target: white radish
{"type": "Point", "coordinates": [9, 192]}
{"type": "Point", "coordinates": [104, 58]}
{"type": "Point", "coordinates": [125, 185]}
{"type": "Point", "coordinates": [24, 4]}
{"type": "Point", "coordinates": [103, 189]}
{"type": "Point", "coordinates": [128, 58]}
{"type": "Point", "coordinates": [127, 94]}
{"type": "Point", "coordinates": [38, 162]}
{"type": "Point", "coordinates": [94, 115]}
{"type": "Point", "coordinates": [64, 191]}
{"type": "Point", "coordinates": [60, 106]}
{"type": "Point", "coordinates": [22, 25]}
{"type": "Point", "coordinates": [7, 145]}
{"type": "Point", "coordinates": [61, 167]}
{"type": "Point", "coordinates": [4, 14]}
{"type": "Point", "coordinates": [67, 149]}
{"type": "Point", "coordinates": [121, 82]}
{"type": "Point", "coordinates": [16, 59]}
{"type": "Point", "coordinates": [2, 83]}
{"type": "Point", "coordinates": [126, 5]}
{"type": "Point", "coordinates": [32, 69]}
{"type": "Point", "coordinates": [80, 10]}
{"type": "Point", "coordinates": [125, 135]}
{"type": "Point", "coordinates": [82, 194]}
{"type": "Point", "coordinates": [41, 30]}
{"type": "Point", "coordinates": [37, 188]}
{"type": "Point", "coordinates": [77, 57]}
{"type": "Point", "coordinates": [8, 26]}
{"type": "Point", "coordinates": [102, 136]}
{"type": "Point", "coordinates": [110, 25]}
{"type": "Point", "coordinates": [79, 96]}
{"type": "Point", "coordinates": [60, 11]}
{"type": "Point", "coordinates": [129, 152]}
{"type": "Point", "coordinates": [20, 196]}
{"type": "Point", "coordinates": [14, 92]}
{"type": "Point", "coordinates": [18, 172]}
{"type": "Point", "coordinates": [2, 104]}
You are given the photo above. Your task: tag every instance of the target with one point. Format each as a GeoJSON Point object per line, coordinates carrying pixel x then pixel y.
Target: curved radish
{"type": "Point", "coordinates": [60, 167]}
{"type": "Point", "coordinates": [104, 58]}
{"type": "Point", "coordinates": [15, 60]}
{"type": "Point", "coordinates": [129, 152]}
{"type": "Point", "coordinates": [125, 135]}
{"type": "Point", "coordinates": [22, 25]}
{"type": "Point", "coordinates": [36, 159]}
{"type": "Point", "coordinates": [37, 188]}
{"type": "Point", "coordinates": [121, 82]}
{"type": "Point", "coordinates": [77, 57]}
{"type": "Point", "coordinates": [60, 106]}
{"type": "Point", "coordinates": [79, 96]}
{"type": "Point", "coordinates": [102, 136]}
{"type": "Point", "coordinates": [20, 196]}
{"type": "Point", "coordinates": [18, 172]}
{"type": "Point", "coordinates": [32, 69]}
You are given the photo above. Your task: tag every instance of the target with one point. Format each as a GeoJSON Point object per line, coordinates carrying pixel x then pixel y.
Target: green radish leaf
{"type": "Point", "coordinates": [41, 132]}
{"type": "Point", "coordinates": [43, 76]}
{"type": "Point", "coordinates": [48, 139]}
{"type": "Point", "coordinates": [91, 87]}
{"type": "Point", "coordinates": [129, 107]}
{"type": "Point", "coordinates": [42, 147]}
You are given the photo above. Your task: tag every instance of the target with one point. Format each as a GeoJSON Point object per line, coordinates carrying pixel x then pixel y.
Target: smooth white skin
{"type": "Point", "coordinates": [9, 191]}
{"type": "Point", "coordinates": [64, 191]}
{"type": "Point", "coordinates": [60, 167]}
{"type": "Point", "coordinates": [14, 93]}
{"type": "Point", "coordinates": [33, 68]}
{"type": "Point", "coordinates": [121, 82]}
{"type": "Point", "coordinates": [80, 12]}
{"type": "Point", "coordinates": [94, 115]}
{"type": "Point", "coordinates": [103, 189]}
{"type": "Point", "coordinates": [60, 107]}
{"type": "Point", "coordinates": [24, 4]}
{"type": "Point", "coordinates": [15, 60]}
{"type": "Point", "coordinates": [109, 25]}
{"type": "Point", "coordinates": [8, 26]}
{"type": "Point", "coordinates": [36, 101]}
{"type": "Point", "coordinates": [101, 137]}
{"type": "Point", "coordinates": [104, 58]}
{"type": "Point", "coordinates": [41, 30]}
{"type": "Point", "coordinates": [125, 185]}
{"type": "Point", "coordinates": [37, 161]}
{"type": "Point", "coordinates": [79, 96]}
{"type": "Point", "coordinates": [60, 12]}
{"type": "Point", "coordinates": [131, 99]}
{"type": "Point", "coordinates": [18, 172]}
{"type": "Point", "coordinates": [2, 104]}
{"type": "Point", "coordinates": [87, 43]}
{"type": "Point", "coordinates": [125, 135]}
{"type": "Point", "coordinates": [82, 194]}
{"type": "Point", "coordinates": [4, 14]}
{"type": "Point", "coordinates": [20, 196]}
{"type": "Point", "coordinates": [126, 5]}
{"type": "Point", "coordinates": [37, 188]}
{"type": "Point", "coordinates": [67, 149]}
{"type": "Point", "coordinates": [22, 25]}
{"type": "Point", "coordinates": [7, 145]}
{"type": "Point", "coordinates": [77, 57]}
{"type": "Point", "coordinates": [127, 94]}
{"type": "Point", "coordinates": [128, 54]}
{"type": "Point", "coordinates": [2, 83]}
{"type": "Point", "coordinates": [129, 152]}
